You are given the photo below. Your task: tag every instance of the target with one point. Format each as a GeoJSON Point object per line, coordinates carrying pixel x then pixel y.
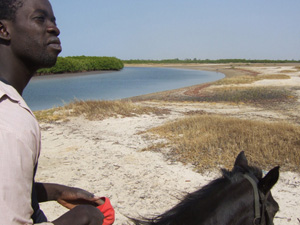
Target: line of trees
{"type": "Point", "coordinates": [141, 61]}
{"type": "Point", "coordinates": [73, 64]}
{"type": "Point", "coordinates": [82, 64]}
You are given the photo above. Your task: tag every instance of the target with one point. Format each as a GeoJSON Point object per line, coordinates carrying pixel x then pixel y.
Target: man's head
{"type": "Point", "coordinates": [29, 33]}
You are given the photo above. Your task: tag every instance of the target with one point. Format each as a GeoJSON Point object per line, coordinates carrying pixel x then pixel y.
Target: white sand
{"type": "Point", "coordinates": [105, 157]}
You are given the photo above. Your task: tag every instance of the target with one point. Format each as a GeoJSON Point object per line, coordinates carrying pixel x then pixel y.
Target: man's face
{"type": "Point", "coordinates": [34, 35]}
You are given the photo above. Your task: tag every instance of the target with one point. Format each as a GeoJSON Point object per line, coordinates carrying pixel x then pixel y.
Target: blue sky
{"type": "Point", "coordinates": [184, 29]}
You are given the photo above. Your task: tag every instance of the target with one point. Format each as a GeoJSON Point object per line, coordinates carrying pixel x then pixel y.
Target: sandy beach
{"type": "Point", "coordinates": [106, 157]}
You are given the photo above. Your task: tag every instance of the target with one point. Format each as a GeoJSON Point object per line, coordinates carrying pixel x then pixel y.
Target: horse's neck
{"type": "Point", "coordinates": [232, 206]}
{"type": "Point", "coordinates": [220, 203]}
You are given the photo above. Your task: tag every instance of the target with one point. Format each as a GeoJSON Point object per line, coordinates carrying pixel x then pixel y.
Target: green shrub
{"type": "Point", "coordinates": [82, 64]}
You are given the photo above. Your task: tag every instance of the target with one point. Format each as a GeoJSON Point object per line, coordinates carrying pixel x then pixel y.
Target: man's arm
{"type": "Point", "coordinates": [82, 204]}
{"type": "Point", "coordinates": [69, 197]}
{"type": "Point", "coordinates": [16, 175]}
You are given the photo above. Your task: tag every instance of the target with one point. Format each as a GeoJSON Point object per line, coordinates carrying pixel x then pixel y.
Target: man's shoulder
{"type": "Point", "coordinates": [15, 118]}
{"type": "Point", "coordinates": [9, 91]}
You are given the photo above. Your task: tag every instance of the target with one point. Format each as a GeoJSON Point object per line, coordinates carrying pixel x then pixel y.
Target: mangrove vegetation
{"type": "Point", "coordinates": [82, 64]}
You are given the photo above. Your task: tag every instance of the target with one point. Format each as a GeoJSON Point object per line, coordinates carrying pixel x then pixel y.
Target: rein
{"type": "Point", "coordinates": [259, 214]}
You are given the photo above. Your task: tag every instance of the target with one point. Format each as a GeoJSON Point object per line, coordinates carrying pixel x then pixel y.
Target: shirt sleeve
{"type": "Point", "coordinates": [16, 172]}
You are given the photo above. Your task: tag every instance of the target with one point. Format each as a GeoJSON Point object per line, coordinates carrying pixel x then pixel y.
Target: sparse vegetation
{"type": "Point", "coordinates": [288, 71]}
{"type": "Point", "coordinates": [247, 95]}
{"type": "Point", "coordinates": [236, 80]}
{"type": "Point", "coordinates": [207, 141]}
{"type": "Point", "coordinates": [96, 110]}
{"type": "Point", "coordinates": [273, 76]}
{"type": "Point", "coordinates": [51, 115]}
{"type": "Point", "coordinates": [235, 94]}
{"type": "Point", "coordinates": [249, 79]}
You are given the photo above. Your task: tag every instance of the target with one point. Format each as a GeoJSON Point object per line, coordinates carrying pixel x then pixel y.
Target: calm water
{"type": "Point", "coordinates": [47, 92]}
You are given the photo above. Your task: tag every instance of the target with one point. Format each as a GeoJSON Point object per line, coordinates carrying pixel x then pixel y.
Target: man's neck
{"type": "Point", "coordinates": [18, 81]}
{"type": "Point", "coordinates": [15, 73]}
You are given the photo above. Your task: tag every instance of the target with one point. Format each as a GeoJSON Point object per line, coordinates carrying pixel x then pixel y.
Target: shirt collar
{"type": "Point", "coordinates": [11, 92]}
{"type": "Point", "coordinates": [4, 81]}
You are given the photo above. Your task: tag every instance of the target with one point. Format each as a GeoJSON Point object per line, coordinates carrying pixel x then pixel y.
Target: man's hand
{"type": "Point", "coordinates": [71, 197]}
{"type": "Point", "coordinates": [83, 205]}
{"type": "Point", "coordinates": [68, 197]}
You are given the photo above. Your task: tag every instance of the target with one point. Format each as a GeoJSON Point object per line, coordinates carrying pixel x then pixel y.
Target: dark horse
{"type": "Point", "coordinates": [240, 197]}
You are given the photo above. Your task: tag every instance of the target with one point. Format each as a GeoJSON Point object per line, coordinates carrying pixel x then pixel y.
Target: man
{"type": "Point", "coordinates": [29, 41]}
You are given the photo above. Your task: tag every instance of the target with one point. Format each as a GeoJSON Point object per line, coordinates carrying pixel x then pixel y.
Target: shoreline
{"type": "Point", "coordinates": [228, 69]}
{"type": "Point", "coordinates": [108, 92]}
{"type": "Point", "coordinates": [173, 66]}
{"type": "Point", "coordinates": [65, 75]}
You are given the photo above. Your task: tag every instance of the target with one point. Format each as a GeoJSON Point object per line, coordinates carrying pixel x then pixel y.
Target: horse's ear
{"type": "Point", "coordinates": [241, 161]}
{"type": "Point", "coordinates": [269, 180]}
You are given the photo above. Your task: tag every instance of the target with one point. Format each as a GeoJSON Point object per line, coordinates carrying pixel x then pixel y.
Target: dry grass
{"type": "Point", "coordinates": [259, 95]}
{"type": "Point", "coordinates": [51, 115]}
{"type": "Point", "coordinates": [288, 71]}
{"type": "Point", "coordinates": [96, 110]}
{"type": "Point", "coordinates": [207, 141]}
{"type": "Point", "coordinates": [274, 76]}
{"type": "Point", "coordinates": [231, 92]}
{"type": "Point", "coordinates": [246, 79]}
{"type": "Point", "coordinates": [236, 80]}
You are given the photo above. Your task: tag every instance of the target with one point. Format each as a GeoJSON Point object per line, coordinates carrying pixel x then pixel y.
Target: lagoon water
{"type": "Point", "coordinates": [50, 91]}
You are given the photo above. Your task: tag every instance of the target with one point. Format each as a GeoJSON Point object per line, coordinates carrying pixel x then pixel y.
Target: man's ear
{"type": "Point", "coordinates": [4, 34]}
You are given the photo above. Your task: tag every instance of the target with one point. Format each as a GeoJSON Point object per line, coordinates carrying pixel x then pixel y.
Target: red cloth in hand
{"type": "Point", "coordinates": [108, 211]}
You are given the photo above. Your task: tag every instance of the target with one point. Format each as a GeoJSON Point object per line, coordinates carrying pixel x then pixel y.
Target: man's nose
{"type": "Point", "coordinates": [53, 29]}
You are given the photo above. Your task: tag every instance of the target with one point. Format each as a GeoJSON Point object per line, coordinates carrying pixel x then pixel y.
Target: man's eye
{"type": "Point", "coordinates": [40, 18]}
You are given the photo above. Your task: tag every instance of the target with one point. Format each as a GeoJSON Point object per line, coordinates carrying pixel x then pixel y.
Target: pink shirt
{"type": "Point", "coordinates": [20, 144]}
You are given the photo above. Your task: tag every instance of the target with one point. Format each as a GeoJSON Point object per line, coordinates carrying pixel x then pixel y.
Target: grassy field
{"type": "Point", "coordinates": [207, 141]}
{"type": "Point", "coordinates": [258, 95]}
{"type": "Point", "coordinates": [249, 79]}
{"type": "Point", "coordinates": [96, 110]}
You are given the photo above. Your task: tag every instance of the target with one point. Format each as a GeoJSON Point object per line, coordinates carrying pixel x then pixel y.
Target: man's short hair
{"type": "Point", "coordinates": [8, 9]}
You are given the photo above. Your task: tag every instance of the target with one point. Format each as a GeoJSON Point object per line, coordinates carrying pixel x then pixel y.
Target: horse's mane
{"type": "Point", "coordinates": [201, 195]}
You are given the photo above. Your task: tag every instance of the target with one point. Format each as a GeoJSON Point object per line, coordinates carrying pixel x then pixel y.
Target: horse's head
{"type": "Point", "coordinates": [265, 207]}
{"type": "Point", "coordinates": [241, 196]}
